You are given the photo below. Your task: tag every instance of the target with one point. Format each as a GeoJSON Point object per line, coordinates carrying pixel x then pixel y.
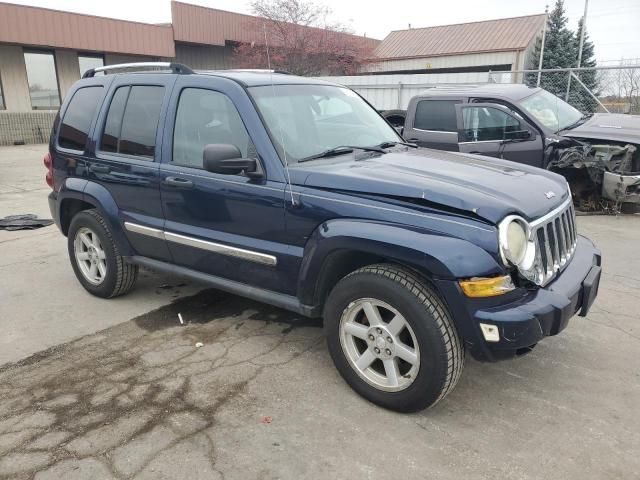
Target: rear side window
{"type": "Point", "coordinates": [436, 115]}
{"type": "Point", "coordinates": [132, 121]}
{"type": "Point", "coordinates": [74, 129]}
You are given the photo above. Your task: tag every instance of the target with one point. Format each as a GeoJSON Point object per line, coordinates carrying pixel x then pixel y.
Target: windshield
{"type": "Point", "coordinates": [550, 110]}
{"type": "Point", "coordinates": [306, 120]}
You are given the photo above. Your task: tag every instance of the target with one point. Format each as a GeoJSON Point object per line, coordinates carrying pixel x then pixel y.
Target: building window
{"type": "Point", "coordinates": [43, 81]}
{"type": "Point", "coordinates": [87, 62]}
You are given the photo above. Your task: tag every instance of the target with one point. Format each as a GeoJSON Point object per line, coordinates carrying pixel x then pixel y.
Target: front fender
{"type": "Point", "coordinates": [437, 255]}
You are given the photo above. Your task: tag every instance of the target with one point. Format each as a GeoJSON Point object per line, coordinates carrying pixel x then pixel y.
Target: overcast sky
{"type": "Point", "coordinates": [613, 25]}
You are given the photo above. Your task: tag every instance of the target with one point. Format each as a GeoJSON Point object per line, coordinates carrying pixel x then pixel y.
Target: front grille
{"type": "Point", "coordinates": [555, 238]}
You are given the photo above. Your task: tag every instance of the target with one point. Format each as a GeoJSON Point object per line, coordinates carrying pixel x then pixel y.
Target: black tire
{"type": "Point", "coordinates": [120, 276]}
{"type": "Point", "coordinates": [395, 117]}
{"type": "Point", "coordinates": [441, 351]}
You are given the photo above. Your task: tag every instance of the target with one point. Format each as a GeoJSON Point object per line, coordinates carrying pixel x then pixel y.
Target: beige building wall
{"type": "Point", "coordinates": [204, 57]}
{"type": "Point", "coordinates": [117, 58]}
{"type": "Point", "coordinates": [13, 74]}
{"type": "Point", "coordinates": [445, 61]}
{"type": "Point", "coordinates": [68, 70]}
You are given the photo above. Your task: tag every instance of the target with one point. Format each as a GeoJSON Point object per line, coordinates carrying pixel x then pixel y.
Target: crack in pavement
{"type": "Point", "coordinates": [123, 402]}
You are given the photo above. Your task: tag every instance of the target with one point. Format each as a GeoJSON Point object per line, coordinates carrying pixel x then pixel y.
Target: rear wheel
{"type": "Point", "coordinates": [95, 257]}
{"type": "Point", "coordinates": [392, 339]}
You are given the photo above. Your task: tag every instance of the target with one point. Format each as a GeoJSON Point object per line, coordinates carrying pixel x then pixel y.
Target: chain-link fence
{"type": "Point", "coordinates": [605, 89]}
{"type": "Point", "coordinates": [614, 89]}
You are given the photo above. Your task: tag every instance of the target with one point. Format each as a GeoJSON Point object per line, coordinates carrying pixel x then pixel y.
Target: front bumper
{"type": "Point", "coordinates": [621, 188]}
{"type": "Point", "coordinates": [525, 316]}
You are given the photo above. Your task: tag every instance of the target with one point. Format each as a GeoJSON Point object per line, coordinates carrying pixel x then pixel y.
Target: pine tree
{"type": "Point", "coordinates": [561, 51]}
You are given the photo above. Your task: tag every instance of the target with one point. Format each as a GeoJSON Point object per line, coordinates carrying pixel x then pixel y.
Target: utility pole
{"type": "Point", "coordinates": [584, 28]}
{"type": "Point", "coordinates": [544, 34]}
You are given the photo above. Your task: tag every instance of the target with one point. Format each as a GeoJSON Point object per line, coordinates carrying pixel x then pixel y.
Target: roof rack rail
{"type": "Point", "coordinates": [152, 66]}
{"type": "Point", "coordinates": [259, 70]}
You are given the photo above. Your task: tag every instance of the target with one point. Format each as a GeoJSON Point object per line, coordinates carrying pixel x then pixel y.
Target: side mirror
{"type": "Point", "coordinates": [227, 160]}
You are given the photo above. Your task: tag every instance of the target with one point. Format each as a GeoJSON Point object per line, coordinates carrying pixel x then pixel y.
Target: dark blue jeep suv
{"type": "Point", "coordinates": [297, 193]}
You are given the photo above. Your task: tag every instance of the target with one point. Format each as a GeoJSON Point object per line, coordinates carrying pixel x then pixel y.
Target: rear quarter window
{"type": "Point", "coordinates": [78, 117]}
{"type": "Point", "coordinates": [436, 115]}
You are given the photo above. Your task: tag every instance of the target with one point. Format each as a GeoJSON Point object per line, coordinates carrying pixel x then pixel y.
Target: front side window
{"type": "Point", "coordinates": [305, 120]}
{"type": "Point", "coordinates": [75, 125]}
{"type": "Point", "coordinates": [436, 115]}
{"type": "Point", "coordinates": [87, 62]}
{"type": "Point", "coordinates": [132, 121]}
{"type": "Point", "coordinates": [43, 80]}
{"type": "Point", "coordinates": [487, 124]}
{"type": "Point", "coordinates": [205, 117]}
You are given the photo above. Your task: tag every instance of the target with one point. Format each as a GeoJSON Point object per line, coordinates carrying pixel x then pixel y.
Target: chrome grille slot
{"type": "Point", "coordinates": [555, 238]}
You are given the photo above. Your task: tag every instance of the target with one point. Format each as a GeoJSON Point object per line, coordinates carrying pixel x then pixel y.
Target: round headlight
{"type": "Point", "coordinates": [516, 242]}
{"type": "Point", "coordinates": [513, 239]}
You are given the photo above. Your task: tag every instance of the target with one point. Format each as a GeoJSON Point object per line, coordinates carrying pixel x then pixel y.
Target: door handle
{"type": "Point", "coordinates": [99, 169]}
{"type": "Point", "coordinates": [178, 182]}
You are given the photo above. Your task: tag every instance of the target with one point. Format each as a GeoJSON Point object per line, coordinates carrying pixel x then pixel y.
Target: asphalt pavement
{"type": "Point", "coordinates": [118, 389]}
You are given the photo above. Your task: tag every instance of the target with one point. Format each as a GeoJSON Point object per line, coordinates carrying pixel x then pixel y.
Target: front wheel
{"type": "Point", "coordinates": [391, 338]}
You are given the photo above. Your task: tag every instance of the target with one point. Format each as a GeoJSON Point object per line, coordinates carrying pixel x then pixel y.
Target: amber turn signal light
{"type": "Point", "coordinates": [486, 287]}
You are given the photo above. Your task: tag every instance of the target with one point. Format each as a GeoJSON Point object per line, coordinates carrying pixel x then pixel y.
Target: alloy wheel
{"type": "Point", "coordinates": [90, 256]}
{"type": "Point", "coordinates": [379, 344]}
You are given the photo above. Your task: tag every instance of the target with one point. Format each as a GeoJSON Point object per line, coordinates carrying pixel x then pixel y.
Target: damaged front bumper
{"type": "Point", "coordinates": [621, 188]}
{"type": "Point", "coordinates": [525, 316]}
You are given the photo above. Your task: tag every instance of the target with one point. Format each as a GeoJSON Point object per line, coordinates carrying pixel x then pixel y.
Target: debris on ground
{"type": "Point", "coordinates": [199, 344]}
{"type": "Point", "coordinates": [24, 222]}
{"type": "Point", "coordinates": [180, 318]}
{"type": "Point", "coordinates": [266, 419]}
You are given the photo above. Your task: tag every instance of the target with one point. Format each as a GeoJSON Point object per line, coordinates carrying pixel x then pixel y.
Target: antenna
{"type": "Point", "coordinates": [273, 92]}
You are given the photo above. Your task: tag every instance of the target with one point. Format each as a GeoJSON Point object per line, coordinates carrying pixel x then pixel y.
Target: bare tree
{"type": "Point", "coordinates": [630, 88]}
{"type": "Point", "coordinates": [301, 39]}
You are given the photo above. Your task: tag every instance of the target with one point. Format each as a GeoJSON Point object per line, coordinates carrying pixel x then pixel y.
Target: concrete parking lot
{"type": "Point", "coordinates": [94, 389]}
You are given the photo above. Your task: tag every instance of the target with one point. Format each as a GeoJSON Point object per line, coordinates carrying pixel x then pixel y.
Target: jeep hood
{"type": "Point", "coordinates": [487, 187]}
{"type": "Point", "coordinates": [608, 126]}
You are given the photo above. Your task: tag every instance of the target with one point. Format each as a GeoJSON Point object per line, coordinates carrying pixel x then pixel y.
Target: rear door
{"type": "Point", "coordinates": [431, 123]}
{"type": "Point", "coordinates": [496, 131]}
{"type": "Point", "coordinates": [126, 160]}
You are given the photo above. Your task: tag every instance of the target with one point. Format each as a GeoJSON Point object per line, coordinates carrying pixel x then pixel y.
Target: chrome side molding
{"type": "Point", "coordinates": [249, 255]}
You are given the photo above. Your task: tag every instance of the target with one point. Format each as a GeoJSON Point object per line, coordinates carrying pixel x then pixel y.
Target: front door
{"type": "Point", "coordinates": [494, 130]}
{"type": "Point", "coordinates": [229, 226]}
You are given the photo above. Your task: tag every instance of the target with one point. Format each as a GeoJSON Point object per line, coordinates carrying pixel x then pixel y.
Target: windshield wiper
{"type": "Point", "coordinates": [578, 122]}
{"type": "Point", "coordinates": [340, 150]}
{"type": "Point", "coordinates": [393, 144]}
